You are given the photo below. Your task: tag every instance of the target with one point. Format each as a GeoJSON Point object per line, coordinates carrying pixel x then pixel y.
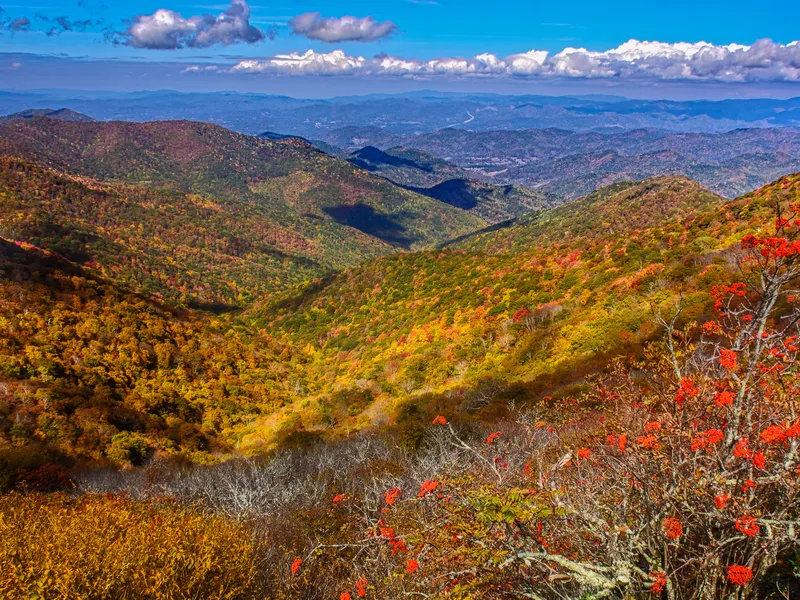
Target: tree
{"type": "Point", "coordinates": [690, 488]}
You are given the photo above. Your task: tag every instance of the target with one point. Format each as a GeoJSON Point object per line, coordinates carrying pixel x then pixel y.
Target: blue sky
{"type": "Point", "coordinates": [419, 31]}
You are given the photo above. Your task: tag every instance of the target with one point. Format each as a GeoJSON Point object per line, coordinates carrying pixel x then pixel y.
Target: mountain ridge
{"type": "Point", "coordinates": [63, 114]}
{"type": "Point", "coordinates": [321, 209]}
{"type": "Point", "coordinates": [434, 177]}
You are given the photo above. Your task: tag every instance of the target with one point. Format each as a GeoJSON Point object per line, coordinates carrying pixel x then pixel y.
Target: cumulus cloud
{"type": "Point", "coordinates": [332, 63]}
{"type": "Point", "coordinates": [343, 29]}
{"type": "Point", "coordinates": [167, 30]}
{"type": "Point", "coordinates": [764, 61]}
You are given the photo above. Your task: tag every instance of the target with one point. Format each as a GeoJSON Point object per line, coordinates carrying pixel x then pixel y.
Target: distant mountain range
{"type": "Point", "coordinates": [567, 164]}
{"type": "Point", "coordinates": [412, 114]}
{"type": "Point", "coordinates": [560, 147]}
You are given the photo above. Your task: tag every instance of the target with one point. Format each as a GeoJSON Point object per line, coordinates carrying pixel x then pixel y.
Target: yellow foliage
{"type": "Point", "coordinates": [54, 546]}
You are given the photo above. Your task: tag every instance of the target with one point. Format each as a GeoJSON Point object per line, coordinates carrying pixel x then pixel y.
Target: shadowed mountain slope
{"type": "Point", "coordinates": [522, 309]}
{"type": "Point", "coordinates": [311, 209]}
{"type": "Point", "coordinates": [439, 179]}
{"type": "Point", "coordinates": [404, 166]}
{"type": "Point", "coordinates": [493, 203]}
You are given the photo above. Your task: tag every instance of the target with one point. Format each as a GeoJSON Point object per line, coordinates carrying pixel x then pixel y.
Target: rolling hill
{"type": "Point", "coordinates": [290, 212]}
{"type": "Point", "coordinates": [155, 241]}
{"type": "Point", "coordinates": [319, 145]}
{"type": "Point", "coordinates": [63, 114]}
{"type": "Point", "coordinates": [520, 310]}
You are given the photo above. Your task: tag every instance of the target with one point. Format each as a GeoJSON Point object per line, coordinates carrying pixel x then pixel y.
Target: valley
{"type": "Point", "coordinates": [303, 260]}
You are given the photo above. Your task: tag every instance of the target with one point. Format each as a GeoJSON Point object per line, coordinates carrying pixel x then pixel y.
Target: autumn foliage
{"type": "Point", "coordinates": [558, 409]}
{"type": "Point", "coordinates": [678, 474]}
{"type": "Point", "coordinates": [97, 547]}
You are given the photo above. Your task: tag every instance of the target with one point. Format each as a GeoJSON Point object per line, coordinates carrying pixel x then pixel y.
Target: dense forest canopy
{"type": "Point", "coordinates": [143, 285]}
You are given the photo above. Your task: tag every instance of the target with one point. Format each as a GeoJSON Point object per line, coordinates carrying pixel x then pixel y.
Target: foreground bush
{"type": "Point", "coordinates": [53, 546]}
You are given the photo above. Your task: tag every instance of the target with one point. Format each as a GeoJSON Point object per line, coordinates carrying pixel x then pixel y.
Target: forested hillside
{"type": "Point", "coordinates": [420, 417]}
{"type": "Point", "coordinates": [258, 215]}
{"type": "Point", "coordinates": [158, 241]}
{"type": "Point", "coordinates": [63, 114]}
{"type": "Point", "coordinates": [520, 310]}
{"type": "Point", "coordinates": [515, 311]}
{"type": "Point", "coordinates": [92, 371]}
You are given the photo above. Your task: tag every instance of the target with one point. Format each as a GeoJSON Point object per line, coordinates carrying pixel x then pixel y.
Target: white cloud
{"type": "Point", "coordinates": [764, 61]}
{"type": "Point", "coordinates": [332, 63]}
{"type": "Point", "coordinates": [527, 63]}
{"type": "Point", "coordinates": [199, 69]}
{"type": "Point", "coordinates": [167, 30]}
{"type": "Point", "coordinates": [342, 29]}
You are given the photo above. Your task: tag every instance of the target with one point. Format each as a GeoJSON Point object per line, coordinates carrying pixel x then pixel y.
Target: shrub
{"type": "Point", "coordinates": [128, 447]}
{"type": "Point", "coordinates": [54, 546]}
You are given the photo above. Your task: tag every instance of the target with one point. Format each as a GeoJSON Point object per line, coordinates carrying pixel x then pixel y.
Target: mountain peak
{"type": "Point", "coordinates": [649, 201]}
{"type": "Point", "coordinates": [62, 114]}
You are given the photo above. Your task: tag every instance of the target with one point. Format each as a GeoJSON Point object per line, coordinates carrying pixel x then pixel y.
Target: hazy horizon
{"type": "Point", "coordinates": [714, 93]}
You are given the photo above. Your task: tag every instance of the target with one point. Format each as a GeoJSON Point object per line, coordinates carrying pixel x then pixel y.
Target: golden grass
{"type": "Point", "coordinates": [53, 546]}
